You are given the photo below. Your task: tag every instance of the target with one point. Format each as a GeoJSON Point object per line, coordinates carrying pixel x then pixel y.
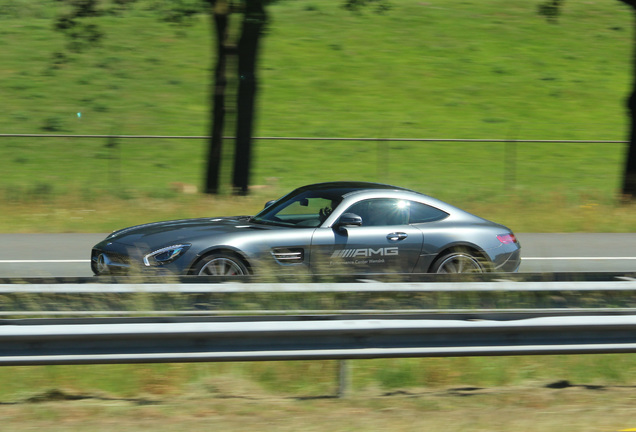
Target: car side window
{"type": "Point", "coordinates": [386, 211]}
{"type": "Point", "coordinates": [306, 212]}
{"type": "Point", "coordinates": [381, 212]}
{"type": "Point", "coordinates": [422, 213]}
{"type": "Point", "coordinates": [305, 206]}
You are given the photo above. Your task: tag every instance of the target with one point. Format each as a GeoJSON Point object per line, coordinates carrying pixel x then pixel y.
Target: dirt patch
{"type": "Point", "coordinates": [57, 395]}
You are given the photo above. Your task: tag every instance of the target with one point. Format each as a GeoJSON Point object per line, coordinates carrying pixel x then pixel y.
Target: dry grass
{"type": "Point", "coordinates": [237, 408]}
{"type": "Point", "coordinates": [523, 213]}
{"type": "Point", "coordinates": [557, 212]}
{"type": "Point", "coordinates": [72, 213]}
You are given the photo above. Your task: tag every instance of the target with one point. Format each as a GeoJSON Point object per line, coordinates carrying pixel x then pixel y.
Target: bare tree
{"type": "Point", "coordinates": [82, 35]}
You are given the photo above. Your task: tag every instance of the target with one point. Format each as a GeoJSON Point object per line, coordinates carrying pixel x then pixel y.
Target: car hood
{"type": "Point", "coordinates": [181, 230]}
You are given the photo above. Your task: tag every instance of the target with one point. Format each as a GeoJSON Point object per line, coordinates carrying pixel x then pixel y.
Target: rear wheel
{"type": "Point", "coordinates": [219, 264]}
{"type": "Point", "coordinates": [458, 262]}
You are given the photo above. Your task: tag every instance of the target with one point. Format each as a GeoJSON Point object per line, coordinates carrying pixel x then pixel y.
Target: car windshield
{"type": "Point", "coordinates": [304, 208]}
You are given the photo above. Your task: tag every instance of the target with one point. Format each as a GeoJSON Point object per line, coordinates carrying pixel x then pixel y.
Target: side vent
{"type": "Point", "coordinates": [288, 255]}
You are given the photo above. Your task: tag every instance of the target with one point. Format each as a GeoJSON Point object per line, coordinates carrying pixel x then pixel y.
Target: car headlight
{"type": "Point", "coordinates": [165, 255]}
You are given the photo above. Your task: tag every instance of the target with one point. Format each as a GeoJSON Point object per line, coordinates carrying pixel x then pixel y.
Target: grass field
{"type": "Point", "coordinates": [479, 69]}
{"type": "Point", "coordinates": [490, 69]}
{"type": "Point", "coordinates": [320, 378]}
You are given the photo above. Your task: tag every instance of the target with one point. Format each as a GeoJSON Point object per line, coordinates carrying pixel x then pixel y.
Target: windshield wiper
{"type": "Point", "coordinates": [255, 220]}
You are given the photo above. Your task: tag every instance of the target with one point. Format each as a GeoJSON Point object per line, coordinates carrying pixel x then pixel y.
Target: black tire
{"type": "Point", "coordinates": [220, 264]}
{"type": "Point", "coordinates": [458, 261]}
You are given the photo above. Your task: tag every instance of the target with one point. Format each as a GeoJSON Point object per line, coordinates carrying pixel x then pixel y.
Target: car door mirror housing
{"type": "Point", "coordinates": [349, 220]}
{"type": "Point", "coordinates": [269, 203]}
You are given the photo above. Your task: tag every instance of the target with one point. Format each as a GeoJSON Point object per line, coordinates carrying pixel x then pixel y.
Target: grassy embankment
{"type": "Point", "coordinates": [423, 70]}
{"type": "Point", "coordinates": [438, 69]}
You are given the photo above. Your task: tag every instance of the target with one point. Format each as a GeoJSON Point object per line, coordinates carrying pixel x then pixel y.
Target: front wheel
{"type": "Point", "coordinates": [220, 265]}
{"type": "Point", "coordinates": [458, 262]}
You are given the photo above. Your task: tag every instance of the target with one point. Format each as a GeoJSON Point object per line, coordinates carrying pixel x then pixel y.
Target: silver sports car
{"type": "Point", "coordinates": [337, 227]}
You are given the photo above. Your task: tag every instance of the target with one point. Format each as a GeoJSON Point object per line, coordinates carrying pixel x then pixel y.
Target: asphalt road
{"type": "Point", "coordinates": [59, 255]}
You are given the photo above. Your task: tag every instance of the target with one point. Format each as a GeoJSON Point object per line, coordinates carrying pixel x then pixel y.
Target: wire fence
{"type": "Point", "coordinates": [203, 137]}
{"type": "Point", "coordinates": [464, 166]}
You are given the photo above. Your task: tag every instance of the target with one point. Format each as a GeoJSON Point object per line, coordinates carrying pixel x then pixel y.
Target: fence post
{"type": "Point", "coordinates": [510, 165]}
{"type": "Point", "coordinates": [114, 161]}
{"type": "Point", "coordinates": [383, 159]}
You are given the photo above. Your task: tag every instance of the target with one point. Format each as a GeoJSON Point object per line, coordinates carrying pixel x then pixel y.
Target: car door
{"type": "Point", "coordinates": [384, 243]}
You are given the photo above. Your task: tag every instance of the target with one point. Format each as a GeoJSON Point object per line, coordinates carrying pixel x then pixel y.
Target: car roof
{"type": "Point", "coordinates": [347, 187]}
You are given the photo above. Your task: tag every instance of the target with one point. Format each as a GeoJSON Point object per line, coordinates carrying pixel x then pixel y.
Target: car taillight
{"type": "Point", "coordinates": [507, 238]}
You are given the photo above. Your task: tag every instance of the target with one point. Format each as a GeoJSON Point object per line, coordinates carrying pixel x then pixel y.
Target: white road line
{"type": "Point", "coordinates": [42, 261]}
{"type": "Point", "coordinates": [576, 258]}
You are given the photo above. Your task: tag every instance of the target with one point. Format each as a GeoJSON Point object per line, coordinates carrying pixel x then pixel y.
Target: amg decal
{"type": "Point", "coordinates": [365, 252]}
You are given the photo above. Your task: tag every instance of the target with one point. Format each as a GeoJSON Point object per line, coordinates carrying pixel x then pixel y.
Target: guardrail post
{"type": "Point", "coordinates": [344, 378]}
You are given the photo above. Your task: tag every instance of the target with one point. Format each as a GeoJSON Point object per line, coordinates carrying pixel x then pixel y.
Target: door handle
{"type": "Point", "coordinates": [397, 236]}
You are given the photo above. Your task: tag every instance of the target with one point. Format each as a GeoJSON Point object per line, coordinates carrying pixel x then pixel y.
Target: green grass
{"type": "Point", "coordinates": [435, 69]}
{"type": "Point", "coordinates": [443, 69]}
{"type": "Point", "coordinates": [317, 378]}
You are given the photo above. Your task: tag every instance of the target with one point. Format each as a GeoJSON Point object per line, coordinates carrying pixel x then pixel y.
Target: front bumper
{"type": "Point", "coordinates": [116, 259]}
{"type": "Point", "coordinates": [110, 262]}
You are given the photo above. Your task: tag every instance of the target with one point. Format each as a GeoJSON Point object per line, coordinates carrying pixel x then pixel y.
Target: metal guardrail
{"type": "Point", "coordinates": [485, 296]}
{"type": "Point", "coordinates": [363, 286]}
{"type": "Point", "coordinates": [303, 339]}
{"type": "Point", "coordinates": [362, 334]}
{"type": "Point", "coordinates": [462, 314]}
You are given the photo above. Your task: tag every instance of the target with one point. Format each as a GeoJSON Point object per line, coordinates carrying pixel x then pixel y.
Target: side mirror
{"type": "Point", "coordinates": [349, 219]}
{"type": "Point", "coordinates": [269, 203]}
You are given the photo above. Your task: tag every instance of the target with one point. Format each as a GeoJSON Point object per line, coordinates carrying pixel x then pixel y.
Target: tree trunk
{"type": "Point", "coordinates": [220, 17]}
{"type": "Point", "coordinates": [629, 173]}
{"type": "Point", "coordinates": [253, 23]}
